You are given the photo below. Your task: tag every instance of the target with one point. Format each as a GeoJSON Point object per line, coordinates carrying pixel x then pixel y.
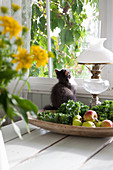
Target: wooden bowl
{"type": "Point", "coordinates": [72, 130]}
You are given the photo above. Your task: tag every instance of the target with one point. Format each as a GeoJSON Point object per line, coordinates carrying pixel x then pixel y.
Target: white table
{"type": "Point", "coordinates": [44, 150]}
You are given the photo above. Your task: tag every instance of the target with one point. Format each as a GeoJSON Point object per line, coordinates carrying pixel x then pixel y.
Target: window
{"type": "Point", "coordinates": [69, 31]}
{"type": "Point", "coordinates": [43, 85]}
{"type": "Point", "coordinates": [106, 17]}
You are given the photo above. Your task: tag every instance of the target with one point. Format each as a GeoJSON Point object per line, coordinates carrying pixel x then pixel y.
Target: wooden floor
{"type": "Point", "coordinates": [44, 150]}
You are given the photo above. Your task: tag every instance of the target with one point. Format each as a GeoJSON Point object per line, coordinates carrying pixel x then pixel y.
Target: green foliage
{"type": "Point", "coordinates": [14, 105]}
{"type": "Point", "coordinates": [65, 113]}
{"type": "Point", "coordinates": [73, 108]}
{"type": "Point", "coordinates": [105, 110]}
{"type": "Point", "coordinates": [68, 16]}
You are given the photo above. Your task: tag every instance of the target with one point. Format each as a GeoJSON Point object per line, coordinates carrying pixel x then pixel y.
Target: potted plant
{"type": "Point", "coordinates": [15, 61]}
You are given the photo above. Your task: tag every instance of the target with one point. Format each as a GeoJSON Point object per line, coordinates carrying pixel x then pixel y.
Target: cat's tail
{"type": "Point", "coordinates": [49, 107]}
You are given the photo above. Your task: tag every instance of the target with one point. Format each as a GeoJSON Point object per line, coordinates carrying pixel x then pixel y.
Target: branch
{"type": "Point", "coordinates": [67, 6]}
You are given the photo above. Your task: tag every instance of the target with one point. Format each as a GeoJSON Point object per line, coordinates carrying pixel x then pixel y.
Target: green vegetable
{"type": "Point", "coordinates": [73, 108]}
{"type": "Point", "coordinates": [105, 110]}
{"type": "Point", "coordinates": [65, 113]}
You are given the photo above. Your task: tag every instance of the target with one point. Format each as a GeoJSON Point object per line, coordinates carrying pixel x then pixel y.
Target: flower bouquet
{"type": "Point", "coordinates": [15, 61]}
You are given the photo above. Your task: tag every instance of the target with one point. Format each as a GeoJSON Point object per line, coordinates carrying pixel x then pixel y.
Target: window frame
{"type": "Point", "coordinates": [44, 85]}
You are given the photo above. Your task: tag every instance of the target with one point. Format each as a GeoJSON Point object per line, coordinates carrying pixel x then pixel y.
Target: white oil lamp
{"type": "Point", "coordinates": [96, 56]}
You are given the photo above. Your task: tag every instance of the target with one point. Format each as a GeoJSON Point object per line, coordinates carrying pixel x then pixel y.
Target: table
{"type": "Point", "coordinates": [44, 150]}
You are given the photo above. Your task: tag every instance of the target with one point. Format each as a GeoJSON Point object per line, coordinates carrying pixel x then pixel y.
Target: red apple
{"type": "Point", "coordinates": [106, 123]}
{"type": "Point", "coordinates": [90, 115]}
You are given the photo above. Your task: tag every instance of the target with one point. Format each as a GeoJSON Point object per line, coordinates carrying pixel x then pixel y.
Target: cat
{"type": "Point", "coordinates": [63, 91]}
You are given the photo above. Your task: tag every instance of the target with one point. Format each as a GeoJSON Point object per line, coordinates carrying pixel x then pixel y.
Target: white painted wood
{"type": "Point", "coordinates": [106, 17]}
{"type": "Point", "coordinates": [68, 154]}
{"type": "Point", "coordinates": [9, 133]}
{"type": "Point", "coordinates": [102, 161]}
{"type": "Point", "coordinates": [19, 150]}
{"type": "Point", "coordinates": [44, 85]}
{"type": "Point", "coordinates": [49, 36]}
{"type": "Point", "coordinates": [3, 157]}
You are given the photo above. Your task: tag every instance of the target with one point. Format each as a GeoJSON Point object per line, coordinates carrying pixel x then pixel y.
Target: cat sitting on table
{"type": "Point", "coordinates": [63, 91]}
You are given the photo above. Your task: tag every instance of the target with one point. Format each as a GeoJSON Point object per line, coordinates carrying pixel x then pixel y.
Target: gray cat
{"type": "Point", "coordinates": [63, 91]}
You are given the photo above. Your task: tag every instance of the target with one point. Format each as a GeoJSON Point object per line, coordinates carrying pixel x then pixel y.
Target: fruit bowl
{"type": "Point", "coordinates": [72, 130]}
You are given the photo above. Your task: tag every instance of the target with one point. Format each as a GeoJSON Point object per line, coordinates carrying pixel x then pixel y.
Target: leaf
{"type": "Point", "coordinates": [4, 98]}
{"type": "Point", "coordinates": [61, 23]}
{"type": "Point", "coordinates": [74, 7]}
{"type": "Point", "coordinates": [77, 6]}
{"type": "Point", "coordinates": [24, 115]}
{"type": "Point", "coordinates": [2, 120]}
{"type": "Point", "coordinates": [28, 85]}
{"type": "Point", "coordinates": [63, 3]}
{"type": "Point", "coordinates": [53, 20]}
{"type": "Point", "coordinates": [42, 23]}
{"type": "Point", "coordinates": [36, 11]}
{"type": "Point", "coordinates": [6, 76]}
{"type": "Point", "coordinates": [66, 37]}
{"type": "Point", "coordinates": [17, 130]}
{"type": "Point", "coordinates": [11, 112]}
{"type": "Point", "coordinates": [26, 105]}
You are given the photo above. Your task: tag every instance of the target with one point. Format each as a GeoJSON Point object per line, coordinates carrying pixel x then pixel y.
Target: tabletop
{"type": "Point", "coordinates": [45, 150]}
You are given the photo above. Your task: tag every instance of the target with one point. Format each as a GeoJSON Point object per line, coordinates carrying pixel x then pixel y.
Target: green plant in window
{"type": "Point", "coordinates": [66, 20]}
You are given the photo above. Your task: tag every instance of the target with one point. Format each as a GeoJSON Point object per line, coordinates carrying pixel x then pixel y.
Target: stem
{"type": "Point", "coordinates": [22, 87]}
{"type": "Point", "coordinates": [16, 86]}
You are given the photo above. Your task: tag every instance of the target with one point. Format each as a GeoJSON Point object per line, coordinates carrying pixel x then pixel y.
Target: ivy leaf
{"type": "Point", "coordinates": [63, 3]}
{"type": "Point", "coordinates": [42, 23]}
{"type": "Point", "coordinates": [61, 23]}
{"type": "Point", "coordinates": [53, 20]}
{"type": "Point", "coordinates": [36, 11]}
{"type": "Point", "coordinates": [77, 34]}
{"type": "Point", "coordinates": [77, 7]}
{"type": "Point", "coordinates": [66, 37]}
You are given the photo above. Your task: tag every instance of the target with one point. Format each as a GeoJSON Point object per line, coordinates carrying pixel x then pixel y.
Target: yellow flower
{"type": "Point", "coordinates": [4, 9]}
{"type": "Point", "coordinates": [39, 55]}
{"type": "Point", "coordinates": [23, 59]}
{"type": "Point", "coordinates": [15, 7]}
{"type": "Point", "coordinates": [10, 25]}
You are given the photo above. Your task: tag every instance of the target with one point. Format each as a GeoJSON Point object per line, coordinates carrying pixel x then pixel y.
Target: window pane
{"type": "Point", "coordinates": [73, 23]}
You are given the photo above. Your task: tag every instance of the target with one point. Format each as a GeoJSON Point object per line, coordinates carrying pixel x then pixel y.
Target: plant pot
{"type": "Point", "coordinates": [3, 157]}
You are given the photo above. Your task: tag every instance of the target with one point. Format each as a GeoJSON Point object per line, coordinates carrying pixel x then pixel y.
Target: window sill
{"type": "Point", "coordinates": [44, 86]}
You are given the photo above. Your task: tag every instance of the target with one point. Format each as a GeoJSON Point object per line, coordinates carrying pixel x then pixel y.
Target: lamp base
{"type": "Point", "coordinates": [95, 100]}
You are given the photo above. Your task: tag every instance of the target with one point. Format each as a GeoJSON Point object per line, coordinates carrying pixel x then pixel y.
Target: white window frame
{"type": "Point", "coordinates": [44, 85]}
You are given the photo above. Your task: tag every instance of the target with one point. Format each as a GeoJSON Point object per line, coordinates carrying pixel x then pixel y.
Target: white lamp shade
{"type": "Point", "coordinates": [96, 53]}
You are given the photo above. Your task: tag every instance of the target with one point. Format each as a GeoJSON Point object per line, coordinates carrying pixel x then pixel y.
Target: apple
{"type": "Point", "coordinates": [90, 115]}
{"type": "Point", "coordinates": [88, 124]}
{"type": "Point", "coordinates": [106, 123]}
{"type": "Point", "coordinates": [77, 122]}
{"type": "Point", "coordinates": [98, 124]}
{"type": "Point", "coordinates": [77, 117]}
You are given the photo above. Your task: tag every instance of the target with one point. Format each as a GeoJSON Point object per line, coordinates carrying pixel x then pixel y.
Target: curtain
{"type": "Point", "coordinates": [23, 15]}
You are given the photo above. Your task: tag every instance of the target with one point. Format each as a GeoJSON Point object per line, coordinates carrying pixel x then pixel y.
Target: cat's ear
{"type": "Point", "coordinates": [66, 72]}
{"type": "Point", "coordinates": [56, 71]}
